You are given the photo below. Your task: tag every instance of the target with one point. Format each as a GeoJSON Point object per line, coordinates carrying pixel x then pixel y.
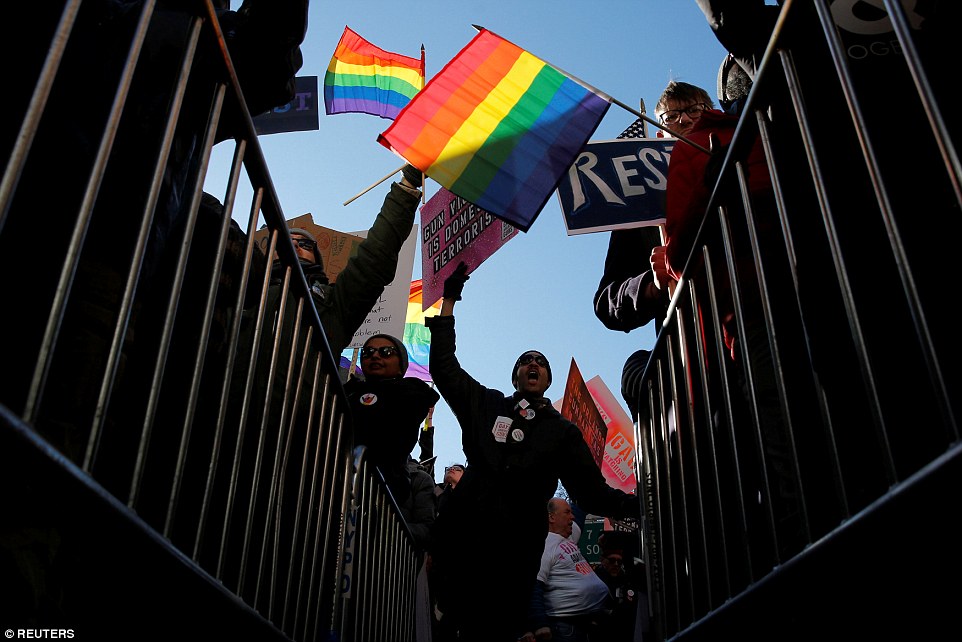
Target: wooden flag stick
{"type": "Point", "coordinates": [368, 189]}
{"type": "Point", "coordinates": [424, 192]}
{"type": "Point", "coordinates": [621, 104]}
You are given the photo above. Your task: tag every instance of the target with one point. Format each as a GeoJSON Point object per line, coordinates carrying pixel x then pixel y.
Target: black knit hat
{"type": "Point", "coordinates": [402, 352]}
{"type": "Point", "coordinates": [514, 370]}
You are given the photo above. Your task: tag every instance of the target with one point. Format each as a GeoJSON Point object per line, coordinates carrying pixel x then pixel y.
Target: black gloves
{"type": "Point", "coordinates": [454, 284]}
{"type": "Point", "coordinates": [412, 174]}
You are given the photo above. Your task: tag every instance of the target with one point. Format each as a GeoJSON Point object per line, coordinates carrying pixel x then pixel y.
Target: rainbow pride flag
{"type": "Point", "coordinates": [417, 338]}
{"type": "Point", "coordinates": [498, 127]}
{"type": "Point", "coordinates": [366, 79]}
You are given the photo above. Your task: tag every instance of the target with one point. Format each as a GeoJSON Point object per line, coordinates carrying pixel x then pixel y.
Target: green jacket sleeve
{"type": "Point", "coordinates": [362, 281]}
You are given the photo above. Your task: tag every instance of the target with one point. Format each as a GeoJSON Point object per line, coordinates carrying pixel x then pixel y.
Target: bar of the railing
{"type": "Point", "coordinates": [385, 563]}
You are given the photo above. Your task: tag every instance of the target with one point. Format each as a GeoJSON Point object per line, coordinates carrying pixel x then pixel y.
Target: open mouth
{"type": "Point", "coordinates": [533, 374]}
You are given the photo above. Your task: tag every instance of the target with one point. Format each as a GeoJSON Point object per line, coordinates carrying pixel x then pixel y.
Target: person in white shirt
{"type": "Point", "coordinates": [569, 597]}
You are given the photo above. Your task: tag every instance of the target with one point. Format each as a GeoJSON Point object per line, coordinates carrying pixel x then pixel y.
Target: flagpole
{"type": "Point", "coordinates": [424, 72]}
{"type": "Point", "coordinates": [368, 189]}
{"type": "Point", "coordinates": [620, 104]}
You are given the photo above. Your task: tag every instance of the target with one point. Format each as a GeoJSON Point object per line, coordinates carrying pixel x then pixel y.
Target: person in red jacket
{"type": "Point", "coordinates": [693, 178]}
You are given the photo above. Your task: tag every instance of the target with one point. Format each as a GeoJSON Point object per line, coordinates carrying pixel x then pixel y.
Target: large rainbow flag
{"type": "Point", "coordinates": [417, 338]}
{"type": "Point", "coordinates": [366, 79]}
{"type": "Point", "coordinates": [498, 127]}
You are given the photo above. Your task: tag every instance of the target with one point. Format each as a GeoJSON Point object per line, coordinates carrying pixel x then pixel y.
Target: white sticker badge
{"type": "Point", "coordinates": [501, 427]}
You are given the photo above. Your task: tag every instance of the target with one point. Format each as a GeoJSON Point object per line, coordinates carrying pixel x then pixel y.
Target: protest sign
{"type": "Point", "coordinates": [388, 314]}
{"type": "Point", "coordinates": [579, 408]}
{"type": "Point", "coordinates": [619, 459]}
{"type": "Point", "coordinates": [616, 184]}
{"type": "Point", "coordinates": [301, 114]}
{"type": "Point", "coordinates": [336, 248]}
{"type": "Point", "coordinates": [454, 230]}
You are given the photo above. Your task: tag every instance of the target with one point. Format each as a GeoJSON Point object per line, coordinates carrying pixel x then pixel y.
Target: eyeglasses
{"type": "Point", "coordinates": [304, 244]}
{"type": "Point", "coordinates": [537, 358]}
{"type": "Point", "coordinates": [457, 467]}
{"type": "Point", "coordinates": [384, 351]}
{"type": "Point", "coordinates": [672, 116]}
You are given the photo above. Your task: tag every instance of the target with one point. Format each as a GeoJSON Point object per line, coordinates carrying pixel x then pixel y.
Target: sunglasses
{"type": "Point", "coordinates": [384, 351]}
{"type": "Point", "coordinates": [304, 244]}
{"type": "Point", "coordinates": [455, 467]}
{"type": "Point", "coordinates": [537, 358]}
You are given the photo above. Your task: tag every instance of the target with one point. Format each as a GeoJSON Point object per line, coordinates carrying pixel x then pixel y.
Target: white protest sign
{"type": "Point", "coordinates": [387, 316]}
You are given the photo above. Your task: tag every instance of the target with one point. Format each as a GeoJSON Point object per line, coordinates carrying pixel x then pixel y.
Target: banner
{"type": "Point", "coordinates": [301, 114]}
{"type": "Point", "coordinates": [363, 78]}
{"type": "Point", "coordinates": [579, 408]}
{"type": "Point", "coordinates": [498, 127]}
{"type": "Point", "coordinates": [619, 458]}
{"type": "Point", "coordinates": [616, 184]}
{"type": "Point", "coordinates": [454, 230]}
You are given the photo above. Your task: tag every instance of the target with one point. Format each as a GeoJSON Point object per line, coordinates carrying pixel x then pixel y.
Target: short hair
{"type": "Point", "coordinates": [553, 504]}
{"type": "Point", "coordinates": [684, 93]}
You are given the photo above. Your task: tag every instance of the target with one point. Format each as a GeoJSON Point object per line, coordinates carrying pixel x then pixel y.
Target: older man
{"type": "Point", "coordinates": [569, 598]}
{"type": "Point", "coordinates": [518, 447]}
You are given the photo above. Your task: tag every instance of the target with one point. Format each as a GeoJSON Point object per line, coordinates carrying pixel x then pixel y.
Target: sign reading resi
{"type": "Point", "coordinates": [616, 184]}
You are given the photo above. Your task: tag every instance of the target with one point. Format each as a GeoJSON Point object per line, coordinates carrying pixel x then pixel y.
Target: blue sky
{"type": "Point", "coordinates": [536, 292]}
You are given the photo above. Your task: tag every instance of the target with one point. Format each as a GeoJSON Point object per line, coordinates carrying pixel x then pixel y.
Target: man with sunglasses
{"type": "Point", "coordinates": [517, 447]}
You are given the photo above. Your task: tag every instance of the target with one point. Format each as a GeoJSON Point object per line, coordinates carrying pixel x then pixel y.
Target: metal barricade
{"type": "Point", "coordinates": [799, 395]}
{"type": "Point", "coordinates": [152, 347]}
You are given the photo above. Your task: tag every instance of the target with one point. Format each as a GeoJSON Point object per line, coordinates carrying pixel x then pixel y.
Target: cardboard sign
{"type": "Point", "coordinates": [616, 184]}
{"type": "Point", "coordinates": [336, 248]}
{"type": "Point", "coordinates": [455, 230]}
{"type": "Point", "coordinates": [579, 408]}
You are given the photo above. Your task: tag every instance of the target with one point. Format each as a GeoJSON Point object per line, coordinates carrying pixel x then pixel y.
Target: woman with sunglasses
{"type": "Point", "coordinates": [388, 409]}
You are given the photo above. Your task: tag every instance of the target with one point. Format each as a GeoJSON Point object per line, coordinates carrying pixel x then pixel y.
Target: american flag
{"type": "Point", "coordinates": [635, 130]}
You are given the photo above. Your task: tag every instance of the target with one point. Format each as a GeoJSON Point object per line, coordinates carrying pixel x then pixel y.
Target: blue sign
{"type": "Point", "coordinates": [296, 116]}
{"type": "Point", "coordinates": [616, 184]}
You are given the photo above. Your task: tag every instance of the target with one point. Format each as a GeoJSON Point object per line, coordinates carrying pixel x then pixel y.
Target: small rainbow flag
{"type": "Point", "coordinates": [498, 127]}
{"type": "Point", "coordinates": [417, 338]}
{"type": "Point", "coordinates": [366, 79]}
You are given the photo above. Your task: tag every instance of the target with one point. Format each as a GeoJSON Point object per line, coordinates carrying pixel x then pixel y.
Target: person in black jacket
{"type": "Point", "coordinates": [388, 409]}
{"type": "Point", "coordinates": [490, 536]}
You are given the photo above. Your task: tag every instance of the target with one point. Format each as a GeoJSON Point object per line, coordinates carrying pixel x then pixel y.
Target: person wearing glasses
{"type": "Point", "coordinates": [634, 287]}
{"type": "Point", "coordinates": [343, 305]}
{"type": "Point", "coordinates": [388, 409]}
{"type": "Point", "coordinates": [488, 540]}
{"type": "Point", "coordinates": [693, 180]}
{"type": "Point", "coordinates": [452, 475]}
